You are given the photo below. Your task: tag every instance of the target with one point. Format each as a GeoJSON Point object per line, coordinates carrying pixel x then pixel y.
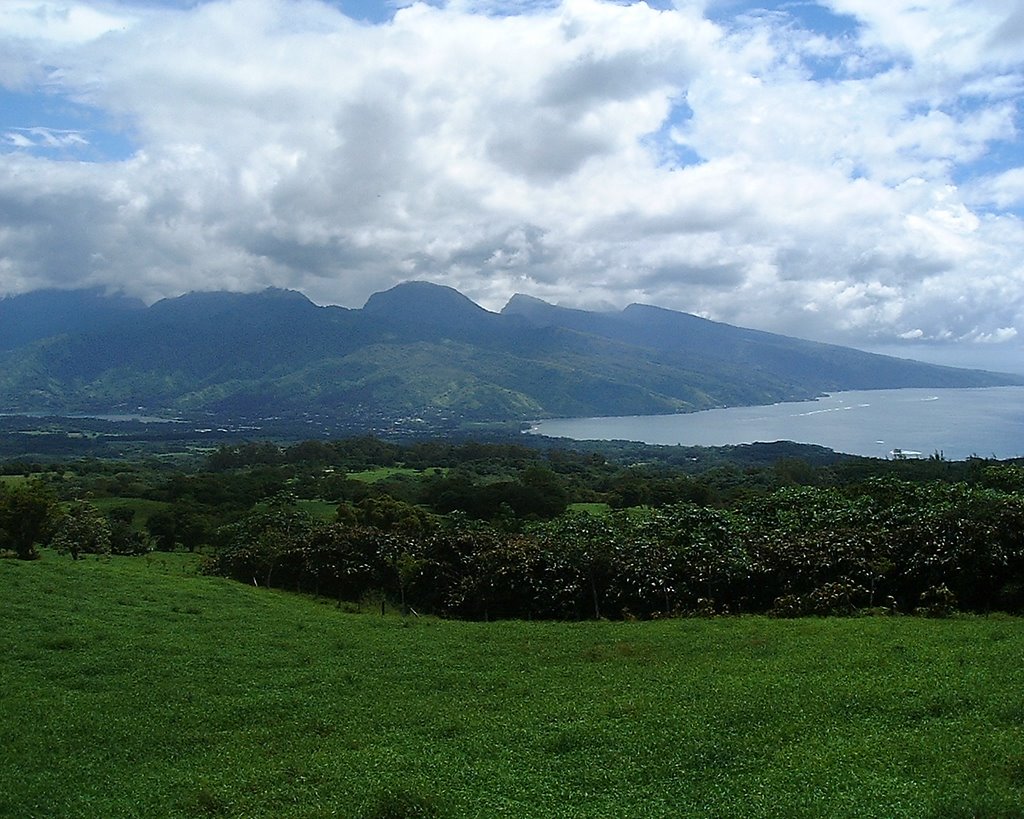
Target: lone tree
{"type": "Point", "coordinates": [82, 530]}
{"type": "Point", "coordinates": [26, 513]}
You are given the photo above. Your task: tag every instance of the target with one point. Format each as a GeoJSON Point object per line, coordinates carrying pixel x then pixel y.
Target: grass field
{"type": "Point", "coordinates": [590, 508]}
{"type": "Point", "coordinates": [13, 480]}
{"type": "Point", "coordinates": [318, 509]}
{"type": "Point", "coordinates": [381, 473]}
{"type": "Point", "coordinates": [133, 687]}
{"type": "Point", "coordinates": [143, 508]}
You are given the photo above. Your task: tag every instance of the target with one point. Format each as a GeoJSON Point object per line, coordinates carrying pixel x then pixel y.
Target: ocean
{"type": "Point", "coordinates": [957, 423]}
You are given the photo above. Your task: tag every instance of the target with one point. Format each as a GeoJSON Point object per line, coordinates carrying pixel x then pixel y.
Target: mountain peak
{"type": "Point", "coordinates": [521, 301]}
{"type": "Point", "coordinates": [539, 311]}
{"type": "Point", "coordinates": [425, 302]}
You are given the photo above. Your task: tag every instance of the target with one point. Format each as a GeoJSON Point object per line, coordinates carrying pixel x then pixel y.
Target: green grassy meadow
{"type": "Point", "coordinates": [318, 509]}
{"type": "Point", "coordinates": [590, 508]}
{"type": "Point", "coordinates": [144, 509]}
{"type": "Point", "coordinates": [135, 687]}
{"type": "Point", "coordinates": [12, 480]}
{"type": "Point", "coordinates": [381, 473]}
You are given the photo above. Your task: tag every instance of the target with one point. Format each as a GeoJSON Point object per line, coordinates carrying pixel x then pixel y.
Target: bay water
{"type": "Point", "coordinates": [958, 423]}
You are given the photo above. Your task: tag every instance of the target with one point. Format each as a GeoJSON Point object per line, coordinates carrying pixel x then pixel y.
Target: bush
{"type": "Point", "coordinates": [837, 599]}
{"type": "Point", "coordinates": [787, 605]}
{"type": "Point", "coordinates": [937, 601]}
{"type": "Point", "coordinates": [833, 599]}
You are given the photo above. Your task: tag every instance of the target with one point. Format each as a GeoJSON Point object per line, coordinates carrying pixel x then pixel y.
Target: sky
{"type": "Point", "coordinates": [849, 171]}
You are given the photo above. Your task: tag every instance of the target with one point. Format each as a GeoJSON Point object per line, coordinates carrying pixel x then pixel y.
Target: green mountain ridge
{"type": "Point", "coordinates": [421, 349]}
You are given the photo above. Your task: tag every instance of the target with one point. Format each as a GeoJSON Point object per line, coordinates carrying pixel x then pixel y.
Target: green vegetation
{"type": "Point", "coordinates": [142, 509]}
{"type": "Point", "coordinates": [318, 509]}
{"type": "Point", "coordinates": [134, 683]}
{"type": "Point", "coordinates": [28, 512]}
{"type": "Point", "coordinates": [384, 472]}
{"type": "Point", "coordinates": [132, 687]}
{"type": "Point", "coordinates": [599, 508]}
{"type": "Point", "coordinates": [484, 531]}
{"type": "Point", "coordinates": [886, 546]}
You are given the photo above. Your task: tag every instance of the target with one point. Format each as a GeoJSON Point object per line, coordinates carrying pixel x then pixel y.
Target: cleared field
{"type": "Point", "coordinates": [382, 472]}
{"type": "Point", "coordinates": [142, 507]}
{"type": "Point", "coordinates": [13, 480]}
{"type": "Point", "coordinates": [136, 687]}
{"type": "Point", "coordinates": [318, 509]}
{"type": "Point", "coordinates": [590, 508]}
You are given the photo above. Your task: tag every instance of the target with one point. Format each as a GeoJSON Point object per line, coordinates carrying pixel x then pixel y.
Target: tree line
{"type": "Point", "coordinates": [482, 530]}
{"type": "Point", "coordinates": [887, 546]}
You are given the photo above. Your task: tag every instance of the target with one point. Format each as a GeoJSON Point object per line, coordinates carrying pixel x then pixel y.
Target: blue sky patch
{"type": "Point", "coordinates": [818, 18]}
{"type": "Point", "coordinates": [669, 151]}
{"type": "Point", "coordinates": [808, 15]}
{"type": "Point", "coordinates": [57, 127]}
{"type": "Point", "coordinates": [370, 11]}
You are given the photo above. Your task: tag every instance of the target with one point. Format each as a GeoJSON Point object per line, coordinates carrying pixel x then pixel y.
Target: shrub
{"type": "Point", "coordinates": [832, 599]}
{"type": "Point", "coordinates": [937, 601]}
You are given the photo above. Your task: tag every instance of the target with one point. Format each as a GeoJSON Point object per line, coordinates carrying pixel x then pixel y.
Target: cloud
{"type": "Point", "coordinates": [47, 138]}
{"type": "Point", "coordinates": [58, 21]}
{"type": "Point", "coordinates": [855, 179]}
{"type": "Point", "coordinates": [1004, 190]}
{"type": "Point", "coordinates": [1010, 33]}
{"type": "Point", "coordinates": [997, 336]}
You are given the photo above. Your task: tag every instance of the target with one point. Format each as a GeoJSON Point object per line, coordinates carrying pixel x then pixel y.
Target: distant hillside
{"type": "Point", "coordinates": [684, 340]}
{"type": "Point", "coordinates": [46, 313]}
{"type": "Point", "coordinates": [418, 349]}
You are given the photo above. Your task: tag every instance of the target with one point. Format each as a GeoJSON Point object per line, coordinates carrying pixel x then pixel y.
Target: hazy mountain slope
{"type": "Point", "coordinates": [45, 313]}
{"type": "Point", "coordinates": [178, 347]}
{"type": "Point", "coordinates": [688, 341]}
{"type": "Point", "coordinates": [424, 349]}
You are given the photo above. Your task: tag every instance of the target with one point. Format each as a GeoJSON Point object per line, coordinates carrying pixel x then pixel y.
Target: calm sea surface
{"type": "Point", "coordinates": [986, 422]}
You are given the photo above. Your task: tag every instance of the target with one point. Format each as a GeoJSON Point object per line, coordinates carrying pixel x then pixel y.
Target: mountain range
{"type": "Point", "coordinates": [416, 350]}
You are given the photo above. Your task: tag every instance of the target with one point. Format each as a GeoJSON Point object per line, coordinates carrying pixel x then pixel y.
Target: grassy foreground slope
{"type": "Point", "coordinates": [133, 687]}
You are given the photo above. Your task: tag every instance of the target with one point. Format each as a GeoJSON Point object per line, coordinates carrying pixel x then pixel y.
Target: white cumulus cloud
{"type": "Point", "coordinates": [860, 184]}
